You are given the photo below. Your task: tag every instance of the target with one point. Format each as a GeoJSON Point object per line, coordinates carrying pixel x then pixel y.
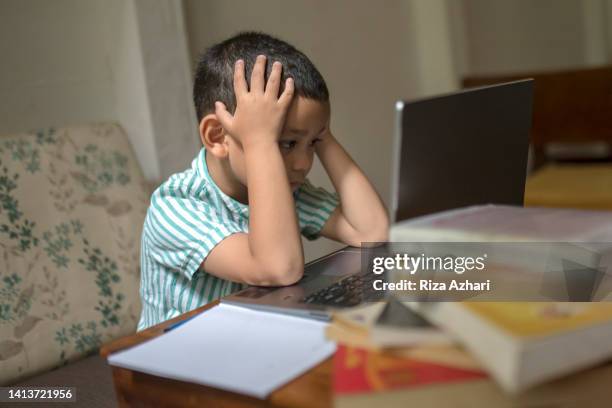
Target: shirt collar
{"type": "Point", "coordinates": [200, 166]}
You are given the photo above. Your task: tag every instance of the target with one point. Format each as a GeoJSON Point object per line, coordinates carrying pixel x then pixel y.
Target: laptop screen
{"type": "Point", "coordinates": [461, 149]}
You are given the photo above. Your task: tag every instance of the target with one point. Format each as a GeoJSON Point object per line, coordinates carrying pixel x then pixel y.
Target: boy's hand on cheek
{"type": "Point", "coordinates": [260, 112]}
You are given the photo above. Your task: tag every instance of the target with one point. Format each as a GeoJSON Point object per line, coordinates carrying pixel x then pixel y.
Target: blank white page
{"type": "Point", "coordinates": [233, 348]}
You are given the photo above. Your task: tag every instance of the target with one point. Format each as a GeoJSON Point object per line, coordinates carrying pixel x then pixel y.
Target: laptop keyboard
{"type": "Point", "coordinates": [347, 292]}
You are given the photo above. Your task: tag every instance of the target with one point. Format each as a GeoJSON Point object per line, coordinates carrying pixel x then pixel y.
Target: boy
{"type": "Point", "coordinates": [236, 216]}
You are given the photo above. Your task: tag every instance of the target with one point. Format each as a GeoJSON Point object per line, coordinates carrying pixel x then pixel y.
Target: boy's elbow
{"type": "Point", "coordinates": [287, 273]}
{"type": "Point", "coordinates": [279, 273]}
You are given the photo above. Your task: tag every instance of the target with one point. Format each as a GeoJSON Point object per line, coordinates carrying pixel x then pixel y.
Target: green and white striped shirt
{"type": "Point", "coordinates": [188, 216]}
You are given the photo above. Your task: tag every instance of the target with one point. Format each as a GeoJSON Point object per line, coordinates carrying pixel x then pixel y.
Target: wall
{"type": "Point", "coordinates": [55, 67]}
{"type": "Point", "coordinates": [152, 84]}
{"type": "Point", "coordinates": [524, 35]}
{"type": "Point", "coordinates": [72, 61]}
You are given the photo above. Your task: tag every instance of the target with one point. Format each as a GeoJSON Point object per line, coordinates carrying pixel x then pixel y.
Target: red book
{"type": "Point", "coordinates": [362, 371]}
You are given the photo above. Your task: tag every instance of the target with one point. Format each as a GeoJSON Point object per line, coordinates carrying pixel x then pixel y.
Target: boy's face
{"type": "Point", "coordinates": [306, 124]}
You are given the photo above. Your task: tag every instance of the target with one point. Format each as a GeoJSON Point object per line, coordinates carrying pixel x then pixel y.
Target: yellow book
{"type": "Point", "coordinates": [523, 344]}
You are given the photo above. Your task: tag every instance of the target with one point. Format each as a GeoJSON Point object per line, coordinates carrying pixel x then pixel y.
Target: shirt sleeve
{"type": "Point", "coordinates": [181, 230]}
{"type": "Point", "coordinates": [314, 205]}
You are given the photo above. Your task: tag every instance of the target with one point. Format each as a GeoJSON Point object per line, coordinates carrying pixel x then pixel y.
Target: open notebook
{"type": "Point", "coordinates": [233, 348]}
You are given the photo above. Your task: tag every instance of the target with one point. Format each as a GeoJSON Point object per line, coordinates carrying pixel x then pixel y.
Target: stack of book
{"type": "Point", "coordinates": [500, 354]}
{"type": "Point", "coordinates": [385, 350]}
{"type": "Point", "coordinates": [481, 353]}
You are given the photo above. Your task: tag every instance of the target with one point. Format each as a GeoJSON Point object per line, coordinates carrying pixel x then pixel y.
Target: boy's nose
{"type": "Point", "coordinates": [301, 163]}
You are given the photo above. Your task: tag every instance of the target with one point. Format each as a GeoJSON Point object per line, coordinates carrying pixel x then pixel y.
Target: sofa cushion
{"type": "Point", "coordinates": [91, 376]}
{"type": "Point", "coordinates": [72, 205]}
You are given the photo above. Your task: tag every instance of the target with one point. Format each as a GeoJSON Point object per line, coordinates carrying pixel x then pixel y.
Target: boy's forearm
{"type": "Point", "coordinates": [274, 236]}
{"type": "Point", "coordinates": [360, 203]}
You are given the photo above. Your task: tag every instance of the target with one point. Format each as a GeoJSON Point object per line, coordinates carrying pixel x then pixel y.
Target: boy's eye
{"type": "Point", "coordinates": [315, 141]}
{"type": "Point", "coordinates": [287, 144]}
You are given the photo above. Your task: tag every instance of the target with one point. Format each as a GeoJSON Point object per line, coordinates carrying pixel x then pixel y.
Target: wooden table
{"type": "Point", "coordinates": [135, 389]}
{"type": "Point", "coordinates": [587, 186]}
{"type": "Point", "coordinates": [589, 388]}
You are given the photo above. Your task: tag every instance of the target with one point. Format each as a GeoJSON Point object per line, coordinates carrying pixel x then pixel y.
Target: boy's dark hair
{"type": "Point", "coordinates": [214, 77]}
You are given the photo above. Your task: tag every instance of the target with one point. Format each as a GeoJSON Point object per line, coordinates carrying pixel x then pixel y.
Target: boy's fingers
{"type": "Point", "coordinates": [224, 117]}
{"type": "Point", "coordinates": [240, 84]}
{"type": "Point", "coordinates": [287, 95]}
{"type": "Point", "coordinates": [274, 80]}
{"type": "Point", "coordinates": [257, 76]}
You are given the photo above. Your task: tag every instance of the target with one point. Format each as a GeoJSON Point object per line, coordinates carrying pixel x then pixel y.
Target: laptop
{"type": "Point", "coordinates": [465, 148]}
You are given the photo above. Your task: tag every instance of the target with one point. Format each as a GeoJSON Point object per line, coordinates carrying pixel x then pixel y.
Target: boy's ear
{"type": "Point", "coordinates": [212, 136]}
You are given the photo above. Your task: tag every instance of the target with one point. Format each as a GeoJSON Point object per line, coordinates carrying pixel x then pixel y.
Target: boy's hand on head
{"type": "Point", "coordinates": [271, 252]}
{"type": "Point", "coordinates": [260, 112]}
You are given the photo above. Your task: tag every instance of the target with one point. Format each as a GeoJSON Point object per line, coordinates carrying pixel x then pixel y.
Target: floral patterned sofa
{"type": "Point", "coordinates": [72, 204]}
